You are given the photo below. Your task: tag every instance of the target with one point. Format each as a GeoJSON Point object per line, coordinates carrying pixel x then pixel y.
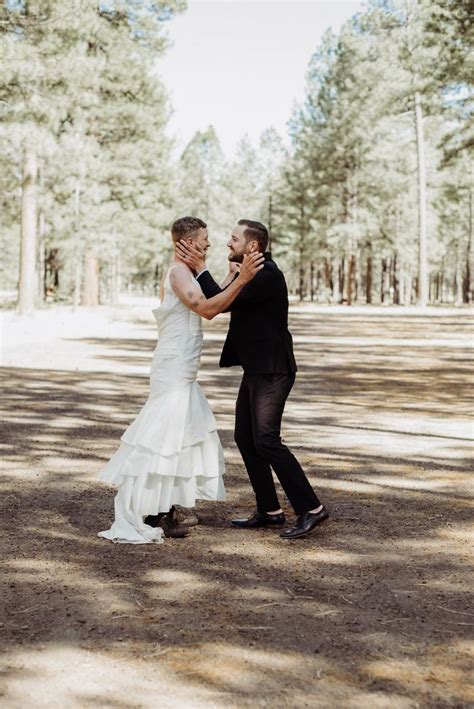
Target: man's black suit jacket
{"type": "Point", "coordinates": [258, 336]}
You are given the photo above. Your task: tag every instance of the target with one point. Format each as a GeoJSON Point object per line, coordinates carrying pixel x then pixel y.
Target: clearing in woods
{"type": "Point", "coordinates": [371, 611]}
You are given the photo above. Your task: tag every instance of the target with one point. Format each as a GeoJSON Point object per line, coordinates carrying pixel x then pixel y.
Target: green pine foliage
{"type": "Point", "coordinates": [374, 176]}
{"type": "Point", "coordinates": [370, 201]}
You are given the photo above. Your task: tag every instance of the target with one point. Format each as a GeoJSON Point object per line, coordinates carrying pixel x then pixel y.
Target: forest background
{"type": "Point", "coordinates": [370, 200]}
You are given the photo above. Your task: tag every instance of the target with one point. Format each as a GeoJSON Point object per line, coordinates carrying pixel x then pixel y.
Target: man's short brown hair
{"type": "Point", "coordinates": [255, 231]}
{"type": "Point", "coordinates": [185, 227]}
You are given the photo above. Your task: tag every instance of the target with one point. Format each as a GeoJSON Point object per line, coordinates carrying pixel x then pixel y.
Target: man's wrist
{"type": "Point", "coordinates": [201, 271]}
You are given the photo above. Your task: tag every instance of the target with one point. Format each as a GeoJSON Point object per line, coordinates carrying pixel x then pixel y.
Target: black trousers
{"type": "Point", "coordinates": [258, 415]}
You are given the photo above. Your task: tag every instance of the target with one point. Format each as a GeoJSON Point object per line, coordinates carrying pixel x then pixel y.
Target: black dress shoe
{"type": "Point", "coordinates": [305, 524]}
{"type": "Point", "coordinates": [260, 519]}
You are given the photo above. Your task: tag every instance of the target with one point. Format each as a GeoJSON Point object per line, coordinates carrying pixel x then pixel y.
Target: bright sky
{"type": "Point", "coordinates": [240, 64]}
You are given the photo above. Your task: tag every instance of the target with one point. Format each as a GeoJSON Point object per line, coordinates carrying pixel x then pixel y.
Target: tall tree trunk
{"type": "Point", "coordinates": [408, 289]}
{"type": "Point", "coordinates": [328, 280]}
{"type": "Point", "coordinates": [90, 293]}
{"type": "Point", "coordinates": [469, 287]}
{"type": "Point", "coordinates": [115, 266]}
{"type": "Point", "coordinates": [311, 280]}
{"type": "Point", "coordinates": [343, 278]}
{"type": "Point", "coordinates": [301, 279]}
{"type": "Point", "coordinates": [423, 277]}
{"type": "Point", "coordinates": [78, 260]}
{"type": "Point", "coordinates": [336, 292]}
{"type": "Point", "coordinates": [395, 288]}
{"type": "Point", "coordinates": [368, 280]}
{"type": "Point", "coordinates": [438, 287]}
{"type": "Point", "coordinates": [357, 276]}
{"type": "Point", "coordinates": [459, 274]}
{"type": "Point", "coordinates": [387, 281]}
{"type": "Point", "coordinates": [41, 260]}
{"type": "Point", "coordinates": [41, 270]}
{"type": "Point", "coordinates": [442, 287]}
{"type": "Point", "coordinates": [350, 279]}
{"type": "Point", "coordinates": [27, 283]}
{"type": "Point", "coordinates": [401, 282]}
{"type": "Point", "coordinates": [382, 281]}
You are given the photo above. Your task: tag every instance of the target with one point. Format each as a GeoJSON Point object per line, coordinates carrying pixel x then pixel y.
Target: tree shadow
{"type": "Point", "coordinates": [364, 613]}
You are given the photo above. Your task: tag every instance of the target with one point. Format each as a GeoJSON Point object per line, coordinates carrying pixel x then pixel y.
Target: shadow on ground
{"type": "Point", "coordinates": [372, 611]}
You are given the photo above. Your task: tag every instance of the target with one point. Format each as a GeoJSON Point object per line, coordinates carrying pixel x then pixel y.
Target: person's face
{"type": "Point", "coordinates": [200, 239]}
{"type": "Point", "coordinates": [239, 246]}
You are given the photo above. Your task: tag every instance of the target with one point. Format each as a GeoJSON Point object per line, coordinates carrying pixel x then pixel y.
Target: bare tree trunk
{"type": "Point", "coordinates": [444, 292]}
{"type": "Point", "coordinates": [116, 278]}
{"type": "Point", "coordinates": [336, 293]}
{"type": "Point", "coordinates": [357, 276]}
{"type": "Point", "coordinates": [469, 287]}
{"type": "Point", "coordinates": [350, 278]}
{"type": "Point", "coordinates": [459, 274]}
{"type": "Point", "coordinates": [41, 270]}
{"type": "Point", "coordinates": [395, 289]}
{"type": "Point", "coordinates": [78, 260]}
{"type": "Point", "coordinates": [90, 293]}
{"type": "Point", "coordinates": [401, 282]}
{"type": "Point", "coordinates": [423, 278]}
{"type": "Point", "coordinates": [328, 280]}
{"type": "Point", "coordinates": [27, 287]}
{"type": "Point", "coordinates": [382, 281]}
{"type": "Point", "coordinates": [408, 289]}
{"type": "Point", "coordinates": [301, 280]}
{"type": "Point", "coordinates": [368, 280]}
{"type": "Point", "coordinates": [343, 278]}
{"type": "Point", "coordinates": [438, 287]}
{"type": "Point", "coordinates": [311, 280]}
{"type": "Point", "coordinates": [41, 256]}
{"type": "Point", "coordinates": [388, 281]}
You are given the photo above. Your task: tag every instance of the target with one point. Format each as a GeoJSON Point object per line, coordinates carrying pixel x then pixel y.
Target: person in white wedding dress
{"type": "Point", "coordinates": [171, 453]}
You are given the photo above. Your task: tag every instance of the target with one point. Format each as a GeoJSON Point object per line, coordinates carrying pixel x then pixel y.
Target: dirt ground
{"type": "Point", "coordinates": [372, 611]}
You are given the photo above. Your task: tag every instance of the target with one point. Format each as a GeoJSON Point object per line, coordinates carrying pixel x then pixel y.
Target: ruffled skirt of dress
{"type": "Point", "coordinates": [169, 455]}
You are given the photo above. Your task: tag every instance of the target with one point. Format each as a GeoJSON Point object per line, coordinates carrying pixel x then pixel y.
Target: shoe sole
{"type": "Point", "coordinates": [305, 534]}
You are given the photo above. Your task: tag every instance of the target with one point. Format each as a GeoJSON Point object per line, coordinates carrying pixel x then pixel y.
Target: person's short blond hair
{"type": "Point", "coordinates": [185, 227]}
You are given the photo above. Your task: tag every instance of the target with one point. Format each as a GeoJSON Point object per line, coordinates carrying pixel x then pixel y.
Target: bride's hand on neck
{"type": "Point", "coordinates": [191, 255]}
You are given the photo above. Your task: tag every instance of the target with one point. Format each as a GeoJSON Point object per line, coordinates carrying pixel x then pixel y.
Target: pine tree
{"type": "Point", "coordinates": [82, 87]}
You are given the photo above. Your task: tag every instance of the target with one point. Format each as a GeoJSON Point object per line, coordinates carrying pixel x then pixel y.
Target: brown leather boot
{"type": "Point", "coordinates": [169, 524]}
{"type": "Point", "coordinates": [185, 516]}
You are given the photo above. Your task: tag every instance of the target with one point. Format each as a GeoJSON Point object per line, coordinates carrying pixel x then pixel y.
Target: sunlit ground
{"type": "Point", "coordinates": [372, 611]}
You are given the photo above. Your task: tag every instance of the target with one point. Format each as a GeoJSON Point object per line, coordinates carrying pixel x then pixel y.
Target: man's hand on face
{"type": "Point", "coordinates": [191, 255]}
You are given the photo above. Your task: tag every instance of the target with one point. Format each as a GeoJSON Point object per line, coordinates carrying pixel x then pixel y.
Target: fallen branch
{"type": "Point", "coordinates": [450, 610]}
{"type": "Point", "coordinates": [33, 608]}
{"type": "Point", "coordinates": [393, 620]}
{"type": "Point", "coordinates": [139, 604]}
{"type": "Point", "coordinates": [294, 596]}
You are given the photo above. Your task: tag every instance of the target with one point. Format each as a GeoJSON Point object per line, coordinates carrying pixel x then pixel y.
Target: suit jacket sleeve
{"type": "Point", "coordinates": [258, 290]}
{"type": "Point", "coordinates": [208, 285]}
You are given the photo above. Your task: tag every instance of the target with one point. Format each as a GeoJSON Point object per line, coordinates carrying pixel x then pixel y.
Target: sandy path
{"type": "Point", "coordinates": [373, 611]}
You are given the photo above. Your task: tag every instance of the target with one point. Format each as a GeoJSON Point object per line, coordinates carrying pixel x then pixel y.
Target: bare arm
{"type": "Point", "coordinates": [189, 292]}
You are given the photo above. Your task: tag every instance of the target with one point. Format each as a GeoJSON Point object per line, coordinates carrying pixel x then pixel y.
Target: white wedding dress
{"type": "Point", "coordinates": [171, 453]}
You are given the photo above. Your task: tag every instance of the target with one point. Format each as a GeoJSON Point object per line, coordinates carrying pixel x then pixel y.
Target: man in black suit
{"type": "Point", "coordinates": [259, 340]}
